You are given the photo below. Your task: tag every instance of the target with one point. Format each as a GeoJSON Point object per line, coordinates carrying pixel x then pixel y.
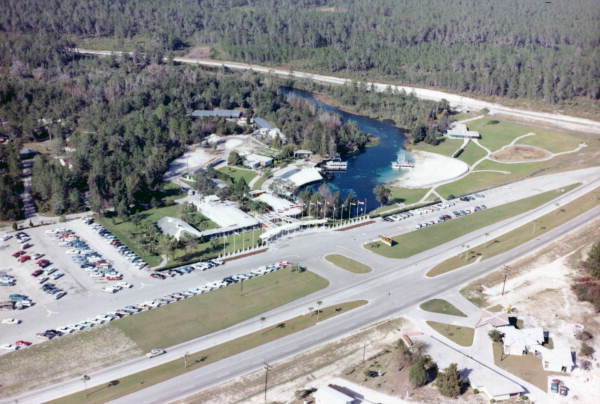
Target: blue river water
{"type": "Point", "coordinates": [372, 166]}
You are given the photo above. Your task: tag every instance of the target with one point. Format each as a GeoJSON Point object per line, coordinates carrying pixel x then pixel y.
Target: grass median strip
{"type": "Point", "coordinates": [160, 373]}
{"type": "Point", "coordinates": [520, 235]}
{"type": "Point", "coordinates": [348, 264]}
{"type": "Point", "coordinates": [461, 335]}
{"type": "Point", "coordinates": [443, 307]}
{"type": "Point", "coordinates": [200, 315]}
{"type": "Point", "coordinates": [421, 240]}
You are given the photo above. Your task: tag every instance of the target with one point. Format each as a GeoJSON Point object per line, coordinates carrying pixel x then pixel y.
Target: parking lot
{"type": "Point", "coordinates": [86, 302]}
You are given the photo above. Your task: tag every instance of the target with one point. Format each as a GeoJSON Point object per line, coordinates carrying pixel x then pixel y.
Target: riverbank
{"type": "Point", "coordinates": [430, 169]}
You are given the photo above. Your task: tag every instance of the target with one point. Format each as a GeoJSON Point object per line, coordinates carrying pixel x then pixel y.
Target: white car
{"type": "Point", "coordinates": [155, 352]}
{"type": "Point", "coordinates": [124, 285]}
{"type": "Point", "coordinates": [11, 321]}
{"type": "Point", "coordinates": [9, 347]}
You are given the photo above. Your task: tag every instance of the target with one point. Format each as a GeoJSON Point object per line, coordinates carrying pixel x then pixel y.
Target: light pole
{"type": "Point", "coordinates": [506, 270]}
{"type": "Point", "coordinates": [267, 368]}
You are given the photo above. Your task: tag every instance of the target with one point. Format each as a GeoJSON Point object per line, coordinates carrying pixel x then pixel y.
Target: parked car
{"type": "Point", "coordinates": [24, 258]}
{"type": "Point", "coordinates": [37, 273]}
{"type": "Point", "coordinates": [11, 321]}
{"type": "Point", "coordinates": [156, 275]}
{"type": "Point", "coordinates": [22, 343]}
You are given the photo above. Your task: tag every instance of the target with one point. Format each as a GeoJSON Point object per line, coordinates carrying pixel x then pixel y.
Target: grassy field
{"type": "Point", "coordinates": [194, 252]}
{"type": "Point", "coordinates": [130, 233]}
{"type": "Point", "coordinates": [472, 153]}
{"type": "Point", "coordinates": [447, 147]}
{"type": "Point", "coordinates": [527, 367]}
{"type": "Point", "coordinates": [520, 235]}
{"type": "Point", "coordinates": [495, 135]}
{"type": "Point", "coordinates": [442, 306]}
{"type": "Point", "coordinates": [406, 195]}
{"type": "Point", "coordinates": [200, 315]}
{"type": "Point", "coordinates": [463, 336]}
{"type": "Point", "coordinates": [236, 173]}
{"type": "Point", "coordinates": [258, 184]}
{"type": "Point", "coordinates": [348, 264]}
{"type": "Point", "coordinates": [69, 356]}
{"type": "Point", "coordinates": [137, 381]}
{"type": "Point", "coordinates": [481, 180]}
{"type": "Point", "coordinates": [421, 240]}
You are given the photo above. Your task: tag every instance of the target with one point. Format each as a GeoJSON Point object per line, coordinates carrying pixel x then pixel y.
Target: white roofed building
{"type": "Point", "coordinates": [177, 228]}
{"type": "Point", "coordinates": [280, 206]}
{"type": "Point", "coordinates": [256, 161]}
{"type": "Point", "coordinates": [521, 341]}
{"type": "Point", "coordinates": [225, 214]}
{"type": "Point", "coordinates": [460, 131]}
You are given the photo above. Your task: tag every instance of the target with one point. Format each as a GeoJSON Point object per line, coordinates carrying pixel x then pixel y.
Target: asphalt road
{"type": "Point", "coordinates": [563, 121]}
{"type": "Point", "coordinates": [393, 287]}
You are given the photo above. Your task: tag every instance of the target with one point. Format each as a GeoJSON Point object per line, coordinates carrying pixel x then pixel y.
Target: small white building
{"type": "Point", "coordinates": [559, 358]}
{"type": "Point", "coordinates": [255, 161]}
{"type": "Point", "coordinates": [329, 395]}
{"type": "Point", "coordinates": [460, 131]}
{"type": "Point", "coordinates": [521, 341]}
{"type": "Point", "coordinates": [177, 228]}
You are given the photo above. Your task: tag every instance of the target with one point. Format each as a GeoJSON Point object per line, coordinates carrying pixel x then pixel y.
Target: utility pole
{"type": "Point", "coordinates": [185, 363]}
{"type": "Point", "coordinates": [242, 287]}
{"type": "Point", "coordinates": [506, 269]}
{"type": "Point", "coordinates": [267, 368]}
{"type": "Point", "coordinates": [364, 351]}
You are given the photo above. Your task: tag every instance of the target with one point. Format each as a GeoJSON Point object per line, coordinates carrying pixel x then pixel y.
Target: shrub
{"type": "Point", "coordinates": [496, 335]}
{"type": "Point", "coordinates": [584, 336]}
{"type": "Point", "coordinates": [592, 264]}
{"type": "Point", "coordinates": [418, 375]}
{"type": "Point", "coordinates": [449, 382]}
{"type": "Point", "coordinates": [586, 350]}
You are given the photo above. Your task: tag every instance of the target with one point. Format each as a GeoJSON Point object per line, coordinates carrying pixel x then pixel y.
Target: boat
{"type": "Point", "coordinates": [402, 162]}
{"type": "Point", "coordinates": [336, 164]}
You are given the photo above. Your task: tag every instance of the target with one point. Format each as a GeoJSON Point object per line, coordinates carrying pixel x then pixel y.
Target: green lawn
{"type": "Point", "coordinates": [423, 239]}
{"type": "Point", "coordinates": [496, 135]}
{"type": "Point", "coordinates": [406, 195]}
{"type": "Point", "coordinates": [200, 315]}
{"type": "Point", "coordinates": [482, 180]}
{"type": "Point", "coordinates": [236, 173]}
{"type": "Point", "coordinates": [472, 153]}
{"type": "Point", "coordinates": [447, 147]}
{"type": "Point", "coordinates": [196, 251]}
{"type": "Point", "coordinates": [157, 374]}
{"type": "Point", "coordinates": [461, 335]}
{"type": "Point", "coordinates": [527, 367]}
{"type": "Point", "coordinates": [520, 235]}
{"type": "Point", "coordinates": [348, 264]}
{"type": "Point", "coordinates": [442, 306]}
{"type": "Point", "coordinates": [130, 233]}
{"type": "Point", "coordinates": [258, 184]}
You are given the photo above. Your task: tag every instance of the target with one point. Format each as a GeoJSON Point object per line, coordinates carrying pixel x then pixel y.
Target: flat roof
{"type": "Point", "coordinates": [221, 113]}
{"type": "Point", "coordinates": [280, 205]}
{"type": "Point", "coordinates": [225, 214]}
{"type": "Point", "coordinates": [262, 123]}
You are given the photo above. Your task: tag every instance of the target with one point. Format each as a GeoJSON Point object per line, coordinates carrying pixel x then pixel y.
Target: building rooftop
{"type": "Point", "coordinates": [224, 214]}
{"type": "Point", "coordinates": [176, 227]}
{"type": "Point", "coordinates": [262, 123]}
{"type": "Point", "coordinates": [300, 176]}
{"type": "Point", "coordinates": [220, 113]}
{"type": "Point", "coordinates": [280, 205]}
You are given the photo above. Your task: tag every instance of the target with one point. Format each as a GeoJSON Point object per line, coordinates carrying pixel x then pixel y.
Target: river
{"type": "Point", "coordinates": [372, 166]}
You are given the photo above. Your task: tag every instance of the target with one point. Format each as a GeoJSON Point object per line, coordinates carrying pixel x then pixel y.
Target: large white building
{"type": "Point", "coordinates": [460, 131]}
{"type": "Point", "coordinates": [225, 214]}
{"type": "Point", "coordinates": [280, 206]}
{"type": "Point", "coordinates": [177, 228]}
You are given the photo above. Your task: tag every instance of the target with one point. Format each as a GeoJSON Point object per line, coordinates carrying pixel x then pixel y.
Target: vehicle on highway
{"type": "Point", "coordinates": [11, 321]}
{"type": "Point", "coordinates": [9, 347]}
{"type": "Point", "coordinates": [22, 343]}
{"type": "Point", "coordinates": [155, 352]}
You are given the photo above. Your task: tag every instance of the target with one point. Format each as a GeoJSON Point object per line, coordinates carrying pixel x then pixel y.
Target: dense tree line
{"type": "Point", "coordinates": [10, 182]}
{"type": "Point", "coordinates": [512, 48]}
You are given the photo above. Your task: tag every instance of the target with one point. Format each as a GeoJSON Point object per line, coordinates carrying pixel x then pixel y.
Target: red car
{"type": "Point", "coordinates": [18, 253]}
{"type": "Point", "coordinates": [43, 263]}
{"type": "Point", "coordinates": [114, 278]}
{"type": "Point", "coordinates": [157, 276]}
{"type": "Point", "coordinates": [22, 343]}
{"type": "Point", "coordinates": [24, 258]}
{"type": "Point", "coordinates": [37, 273]}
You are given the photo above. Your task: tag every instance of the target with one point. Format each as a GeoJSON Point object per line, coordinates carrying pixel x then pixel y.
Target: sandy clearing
{"type": "Point", "coordinates": [520, 153]}
{"type": "Point", "coordinates": [431, 169]}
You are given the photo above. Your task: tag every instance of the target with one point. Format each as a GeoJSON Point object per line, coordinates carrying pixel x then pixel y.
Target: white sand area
{"type": "Point", "coordinates": [431, 169]}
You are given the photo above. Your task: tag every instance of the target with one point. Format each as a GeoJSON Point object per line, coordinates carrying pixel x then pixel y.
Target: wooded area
{"type": "Point", "coordinates": [512, 48]}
